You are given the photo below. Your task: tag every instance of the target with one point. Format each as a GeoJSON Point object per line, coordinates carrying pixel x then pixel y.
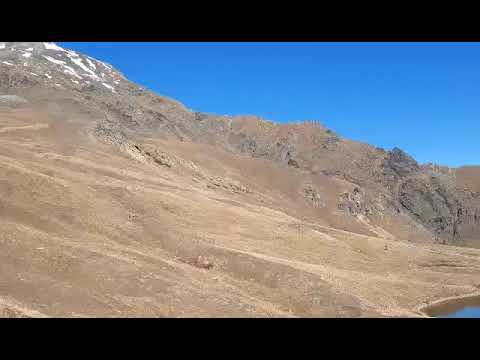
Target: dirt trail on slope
{"type": "Point", "coordinates": [88, 230]}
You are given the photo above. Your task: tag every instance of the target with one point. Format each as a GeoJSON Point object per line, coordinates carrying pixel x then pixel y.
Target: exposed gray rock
{"type": "Point", "coordinates": [352, 203]}
{"type": "Point", "coordinates": [313, 196]}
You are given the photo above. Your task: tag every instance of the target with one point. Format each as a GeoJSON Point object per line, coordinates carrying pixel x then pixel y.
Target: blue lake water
{"type": "Point", "coordinates": [467, 312]}
{"type": "Point", "coordinates": [468, 307]}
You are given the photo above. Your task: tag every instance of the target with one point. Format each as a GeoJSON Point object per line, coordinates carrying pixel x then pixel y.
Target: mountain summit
{"type": "Point", "coordinates": [51, 65]}
{"type": "Point", "coordinates": [117, 201]}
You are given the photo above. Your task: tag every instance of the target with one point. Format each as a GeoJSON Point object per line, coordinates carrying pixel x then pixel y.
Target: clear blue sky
{"type": "Point", "coordinates": [421, 97]}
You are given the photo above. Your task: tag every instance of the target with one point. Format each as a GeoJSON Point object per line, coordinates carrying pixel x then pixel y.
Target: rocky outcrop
{"type": "Point", "coordinates": [396, 166]}
{"type": "Point", "coordinates": [313, 196]}
{"type": "Point", "coordinates": [161, 158]}
{"type": "Point", "coordinates": [429, 194]}
{"type": "Point", "coordinates": [352, 203]}
{"type": "Point", "coordinates": [217, 182]}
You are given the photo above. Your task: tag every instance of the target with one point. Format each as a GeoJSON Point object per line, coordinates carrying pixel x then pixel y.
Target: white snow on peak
{"type": "Point", "coordinates": [71, 53]}
{"type": "Point", "coordinates": [68, 70]}
{"type": "Point", "coordinates": [92, 65]}
{"type": "Point", "coordinates": [107, 66]}
{"type": "Point", "coordinates": [108, 87]}
{"type": "Point", "coordinates": [55, 61]}
{"type": "Point", "coordinates": [7, 63]}
{"type": "Point", "coordinates": [2, 45]}
{"type": "Point", "coordinates": [94, 77]}
{"type": "Point", "coordinates": [71, 71]}
{"type": "Point", "coordinates": [79, 63]}
{"type": "Point", "coordinates": [29, 49]}
{"type": "Point", "coordinates": [53, 46]}
{"type": "Point", "coordinates": [27, 55]}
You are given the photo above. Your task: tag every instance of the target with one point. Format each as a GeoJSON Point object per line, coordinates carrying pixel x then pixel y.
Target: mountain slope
{"type": "Point", "coordinates": [116, 201]}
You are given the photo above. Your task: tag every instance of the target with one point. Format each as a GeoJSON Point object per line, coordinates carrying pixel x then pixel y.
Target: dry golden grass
{"type": "Point", "coordinates": [88, 230]}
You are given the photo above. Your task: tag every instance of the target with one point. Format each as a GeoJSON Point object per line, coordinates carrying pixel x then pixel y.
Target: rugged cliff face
{"type": "Point", "coordinates": [432, 196]}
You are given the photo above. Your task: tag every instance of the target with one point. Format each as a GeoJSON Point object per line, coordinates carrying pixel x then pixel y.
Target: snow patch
{"type": "Point", "coordinates": [107, 66]}
{"type": "Point", "coordinates": [94, 77]}
{"type": "Point", "coordinates": [29, 49]}
{"type": "Point", "coordinates": [48, 76]}
{"type": "Point", "coordinates": [2, 46]}
{"type": "Point", "coordinates": [55, 61]}
{"type": "Point", "coordinates": [74, 81]}
{"type": "Point", "coordinates": [70, 71]}
{"type": "Point", "coordinates": [79, 63]}
{"type": "Point", "coordinates": [99, 62]}
{"type": "Point", "coordinates": [7, 63]}
{"type": "Point", "coordinates": [92, 65]}
{"type": "Point", "coordinates": [108, 87]}
{"type": "Point", "coordinates": [71, 53]}
{"type": "Point", "coordinates": [27, 55]}
{"type": "Point", "coordinates": [33, 74]}
{"type": "Point", "coordinates": [53, 46]}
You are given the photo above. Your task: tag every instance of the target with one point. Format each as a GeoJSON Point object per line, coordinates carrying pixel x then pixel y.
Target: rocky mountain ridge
{"type": "Point", "coordinates": [383, 184]}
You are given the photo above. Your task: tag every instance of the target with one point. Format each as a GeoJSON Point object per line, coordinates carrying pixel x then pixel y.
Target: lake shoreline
{"type": "Point", "coordinates": [452, 300]}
